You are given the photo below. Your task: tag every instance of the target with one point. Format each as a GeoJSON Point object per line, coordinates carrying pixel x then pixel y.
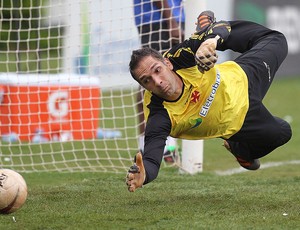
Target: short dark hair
{"type": "Point", "coordinates": [139, 54]}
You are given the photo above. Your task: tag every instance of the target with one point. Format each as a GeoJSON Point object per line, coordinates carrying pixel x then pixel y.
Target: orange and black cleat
{"type": "Point", "coordinates": [247, 164]}
{"type": "Point", "coordinates": [204, 20]}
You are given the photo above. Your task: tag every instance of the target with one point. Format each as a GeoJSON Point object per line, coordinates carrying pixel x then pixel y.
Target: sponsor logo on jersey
{"type": "Point", "coordinates": [205, 108]}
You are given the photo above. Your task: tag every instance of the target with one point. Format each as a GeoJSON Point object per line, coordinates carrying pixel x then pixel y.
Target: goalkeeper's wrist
{"type": "Point", "coordinates": [216, 37]}
{"type": "Point", "coordinates": [221, 29]}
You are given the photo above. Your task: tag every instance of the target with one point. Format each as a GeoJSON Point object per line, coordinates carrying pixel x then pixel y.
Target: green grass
{"type": "Point", "coordinates": [204, 201]}
{"type": "Point", "coordinates": [250, 200]}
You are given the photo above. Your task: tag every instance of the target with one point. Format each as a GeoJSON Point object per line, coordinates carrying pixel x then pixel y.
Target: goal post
{"type": "Point", "coordinates": [67, 100]}
{"type": "Point", "coordinates": [192, 150]}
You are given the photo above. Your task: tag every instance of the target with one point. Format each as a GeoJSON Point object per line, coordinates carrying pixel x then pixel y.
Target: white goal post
{"type": "Point", "coordinates": [192, 150]}
{"type": "Point", "coordinates": [67, 100]}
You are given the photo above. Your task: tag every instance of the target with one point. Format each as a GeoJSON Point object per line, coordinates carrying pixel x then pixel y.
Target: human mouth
{"type": "Point", "coordinates": [165, 89]}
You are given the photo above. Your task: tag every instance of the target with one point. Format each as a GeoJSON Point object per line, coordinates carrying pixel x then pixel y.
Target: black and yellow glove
{"type": "Point", "coordinates": [213, 34]}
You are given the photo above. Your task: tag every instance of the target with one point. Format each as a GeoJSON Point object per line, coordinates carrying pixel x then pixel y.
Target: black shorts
{"type": "Point", "coordinates": [261, 132]}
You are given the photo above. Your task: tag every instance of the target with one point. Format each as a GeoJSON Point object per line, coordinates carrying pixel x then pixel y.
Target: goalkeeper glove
{"type": "Point", "coordinates": [136, 174]}
{"type": "Point", "coordinates": [206, 56]}
{"type": "Point", "coordinates": [214, 33]}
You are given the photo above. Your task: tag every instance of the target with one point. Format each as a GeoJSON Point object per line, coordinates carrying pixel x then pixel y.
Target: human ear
{"type": "Point", "coordinates": [168, 63]}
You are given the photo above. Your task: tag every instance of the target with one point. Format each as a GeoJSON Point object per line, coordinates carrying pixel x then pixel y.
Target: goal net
{"type": "Point", "coordinates": [67, 100]}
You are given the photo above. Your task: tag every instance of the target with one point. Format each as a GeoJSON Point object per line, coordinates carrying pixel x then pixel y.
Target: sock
{"type": "Point", "coordinates": [171, 142]}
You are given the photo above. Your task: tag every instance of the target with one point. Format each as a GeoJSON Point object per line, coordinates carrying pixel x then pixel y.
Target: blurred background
{"type": "Point", "coordinates": [64, 80]}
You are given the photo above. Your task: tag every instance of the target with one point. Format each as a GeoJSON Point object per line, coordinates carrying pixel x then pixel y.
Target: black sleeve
{"type": "Point", "coordinates": [183, 54]}
{"type": "Point", "coordinates": [243, 36]}
{"type": "Point", "coordinates": [157, 130]}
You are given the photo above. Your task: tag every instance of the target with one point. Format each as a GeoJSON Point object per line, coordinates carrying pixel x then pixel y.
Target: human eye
{"type": "Point", "coordinates": [146, 80]}
{"type": "Point", "coordinates": [157, 69]}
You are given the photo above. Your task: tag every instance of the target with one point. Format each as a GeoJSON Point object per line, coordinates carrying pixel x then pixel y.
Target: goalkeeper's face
{"type": "Point", "coordinates": [158, 77]}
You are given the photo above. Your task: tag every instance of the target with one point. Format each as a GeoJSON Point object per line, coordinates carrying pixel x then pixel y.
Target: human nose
{"type": "Point", "coordinates": [157, 81]}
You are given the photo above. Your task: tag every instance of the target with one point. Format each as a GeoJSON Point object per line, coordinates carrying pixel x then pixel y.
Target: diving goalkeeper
{"type": "Point", "coordinates": [189, 96]}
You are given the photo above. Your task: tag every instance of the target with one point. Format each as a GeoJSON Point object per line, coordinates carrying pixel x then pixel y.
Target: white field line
{"type": "Point", "coordinates": [263, 166]}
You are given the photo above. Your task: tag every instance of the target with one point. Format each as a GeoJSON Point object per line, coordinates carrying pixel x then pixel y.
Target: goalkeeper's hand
{"type": "Point", "coordinates": [206, 56]}
{"type": "Point", "coordinates": [136, 174]}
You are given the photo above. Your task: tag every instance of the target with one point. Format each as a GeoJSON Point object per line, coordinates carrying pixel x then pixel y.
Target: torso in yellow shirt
{"type": "Point", "coordinates": [213, 104]}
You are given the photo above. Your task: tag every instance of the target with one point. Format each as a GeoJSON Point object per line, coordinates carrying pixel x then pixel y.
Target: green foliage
{"type": "Point", "coordinates": [25, 37]}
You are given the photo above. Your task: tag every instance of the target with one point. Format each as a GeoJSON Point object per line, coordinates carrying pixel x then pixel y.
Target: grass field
{"type": "Point", "coordinates": [264, 199]}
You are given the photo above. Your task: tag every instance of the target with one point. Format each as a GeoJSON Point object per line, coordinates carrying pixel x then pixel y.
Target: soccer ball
{"type": "Point", "coordinates": [13, 191]}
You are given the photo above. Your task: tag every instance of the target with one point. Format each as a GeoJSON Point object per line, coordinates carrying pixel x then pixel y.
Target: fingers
{"type": "Point", "coordinates": [131, 182]}
{"type": "Point", "coordinates": [130, 178]}
{"type": "Point", "coordinates": [207, 61]}
{"type": "Point", "coordinates": [206, 56]}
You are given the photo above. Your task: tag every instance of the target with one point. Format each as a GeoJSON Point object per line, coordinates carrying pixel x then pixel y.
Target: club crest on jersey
{"type": "Point", "coordinates": [195, 96]}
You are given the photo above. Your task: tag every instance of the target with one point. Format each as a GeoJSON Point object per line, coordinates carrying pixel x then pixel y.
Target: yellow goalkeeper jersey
{"type": "Point", "coordinates": [213, 104]}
